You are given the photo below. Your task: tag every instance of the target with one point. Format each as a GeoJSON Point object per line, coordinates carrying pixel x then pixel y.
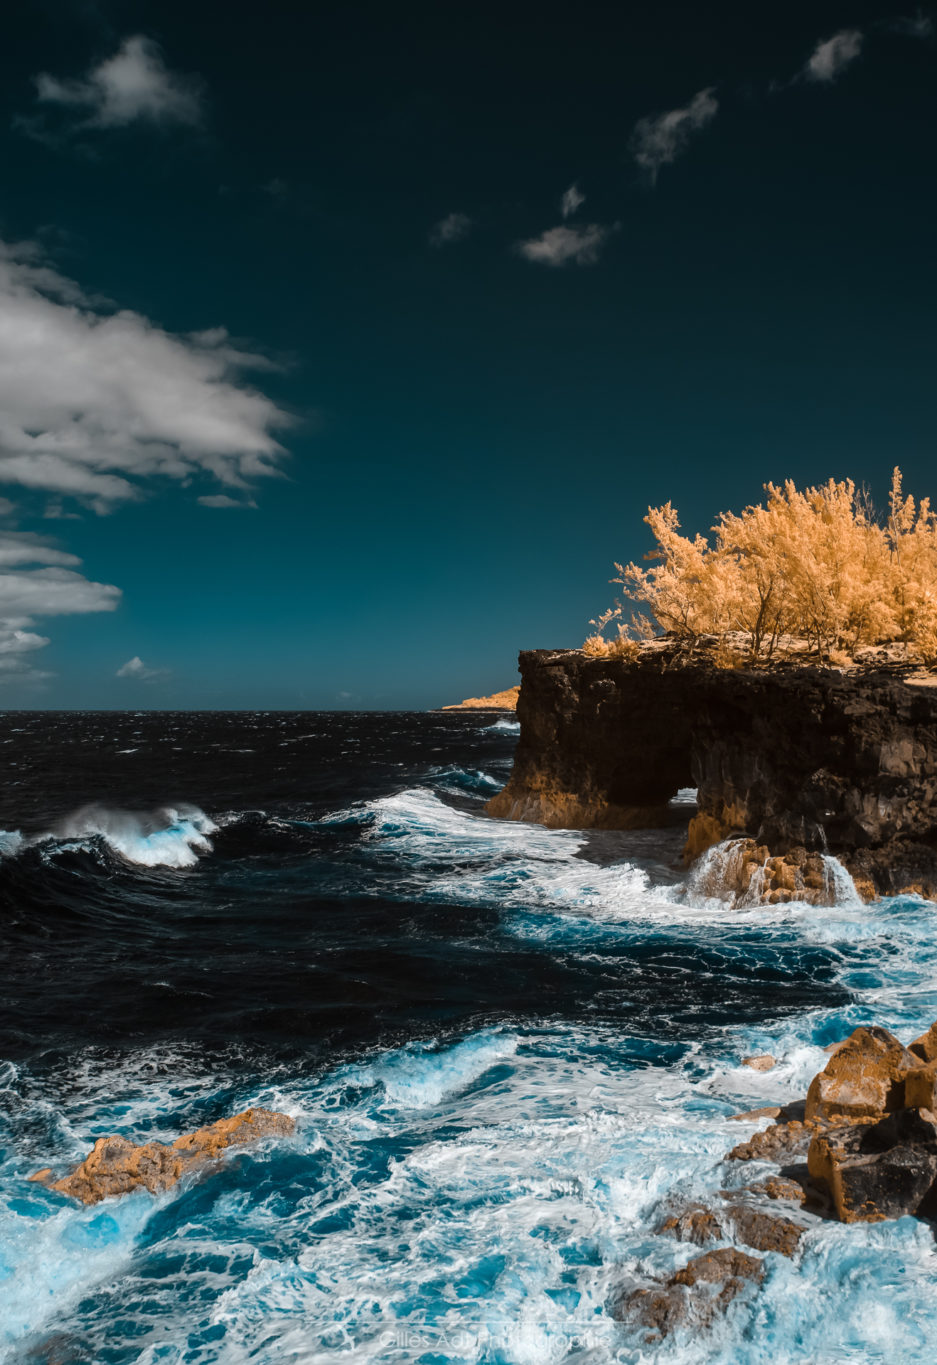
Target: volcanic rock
{"type": "Point", "coordinates": [881, 1170]}
{"type": "Point", "coordinates": [864, 1077]}
{"type": "Point", "coordinates": [779, 1142]}
{"type": "Point", "coordinates": [926, 1045]}
{"type": "Point", "coordinates": [754, 1227]}
{"type": "Point", "coordinates": [802, 760]}
{"type": "Point", "coordinates": [117, 1166]}
{"type": "Point", "coordinates": [692, 1297]}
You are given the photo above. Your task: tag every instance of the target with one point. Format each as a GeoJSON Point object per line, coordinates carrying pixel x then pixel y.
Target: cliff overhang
{"type": "Point", "coordinates": [799, 759]}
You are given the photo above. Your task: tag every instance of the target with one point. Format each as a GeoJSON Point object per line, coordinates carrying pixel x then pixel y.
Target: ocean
{"type": "Point", "coordinates": [506, 1049]}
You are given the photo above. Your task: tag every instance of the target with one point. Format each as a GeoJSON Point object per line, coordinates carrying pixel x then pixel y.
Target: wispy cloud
{"type": "Point", "coordinates": [455, 227]}
{"type": "Point", "coordinates": [136, 668]}
{"type": "Point", "coordinates": [660, 138]}
{"type": "Point", "coordinates": [223, 500]}
{"type": "Point", "coordinates": [94, 403]}
{"type": "Point", "coordinates": [133, 86]}
{"type": "Point", "coordinates": [37, 579]}
{"type": "Point", "coordinates": [573, 199]}
{"type": "Point", "coordinates": [919, 25]}
{"type": "Point", "coordinates": [831, 56]}
{"type": "Point", "coordinates": [567, 245]}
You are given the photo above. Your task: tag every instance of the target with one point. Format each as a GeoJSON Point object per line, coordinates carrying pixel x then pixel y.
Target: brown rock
{"type": "Point", "coordinates": [764, 1231]}
{"type": "Point", "coordinates": [879, 1170]}
{"type": "Point", "coordinates": [926, 1046]}
{"type": "Point", "coordinates": [696, 1223]}
{"type": "Point", "coordinates": [920, 1087]}
{"type": "Point", "coordinates": [754, 1227]}
{"type": "Point", "coordinates": [863, 1078]}
{"type": "Point", "coordinates": [770, 1111]}
{"type": "Point", "coordinates": [715, 1266]}
{"type": "Point", "coordinates": [117, 1166]}
{"type": "Point", "coordinates": [692, 1297]}
{"type": "Point", "coordinates": [778, 1143]}
{"type": "Point", "coordinates": [762, 1061]}
{"type": "Point", "coordinates": [782, 1187]}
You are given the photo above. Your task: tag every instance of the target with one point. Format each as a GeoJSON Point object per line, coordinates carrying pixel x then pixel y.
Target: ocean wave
{"type": "Point", "coordinates": [171, 836]}
{"type": "Point", "coordinates": [469, 1200]}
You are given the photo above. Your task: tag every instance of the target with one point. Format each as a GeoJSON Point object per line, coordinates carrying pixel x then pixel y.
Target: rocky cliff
{"type": "Point", "coordinates": [800, 760]}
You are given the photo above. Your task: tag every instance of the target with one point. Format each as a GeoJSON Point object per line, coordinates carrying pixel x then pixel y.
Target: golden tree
{"type": "Point", "coordinates": [815, 564]}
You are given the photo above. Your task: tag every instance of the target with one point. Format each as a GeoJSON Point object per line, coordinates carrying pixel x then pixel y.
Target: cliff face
{"type": "Point", "coordinates": [793, 757]}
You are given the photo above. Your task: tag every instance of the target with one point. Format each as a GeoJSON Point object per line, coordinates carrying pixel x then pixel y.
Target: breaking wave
{"type": "Point", "coordinates": [506, 1048]}
{"type": "Point", "coordinates": [172, 836]}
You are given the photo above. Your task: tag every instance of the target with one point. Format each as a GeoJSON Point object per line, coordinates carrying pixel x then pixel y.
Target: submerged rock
{"type": "Point", "coordinates": [692, 1297]}
{"type": "Point", "coordinates": [117, 1166]}
{"type": "Point", "coordinates": [754, 1227]}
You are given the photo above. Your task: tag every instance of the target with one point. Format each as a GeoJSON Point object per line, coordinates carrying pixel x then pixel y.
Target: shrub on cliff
{"type": "Point", "coordinates": [816, 564]}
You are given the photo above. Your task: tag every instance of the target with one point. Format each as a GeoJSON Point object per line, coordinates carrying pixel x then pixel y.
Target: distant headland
{"type": "Point", "coordinates": [498, 701]}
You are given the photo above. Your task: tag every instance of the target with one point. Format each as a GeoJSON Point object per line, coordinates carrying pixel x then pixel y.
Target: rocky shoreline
{"type": "Point", "coordinates": [795, 761]}
{"type": "Point", "coordinates": [860, 1148]}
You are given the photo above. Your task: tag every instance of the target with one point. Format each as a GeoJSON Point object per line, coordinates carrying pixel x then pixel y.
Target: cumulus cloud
{"type": "Point", "coordinates": [455, 227]}
{"type": "Point", "coordinates": [133, 86]}
{"type": "Point", "coordinates": [136, 668]}
{"type": "Point", "coordinates": [573, 199]}
{"type": "Point", "coordinates": [831, 57]}
{"type": "Point", "coordinates": [94, 401]}
{"type": "Point", "coordinates": [223, 500]}
{"type": "Point", "coordinates": [567, 245]}
{"type": "Point", "coordinates": [39, 579]}
{"type": "Point", "coordinates": [659, 139]}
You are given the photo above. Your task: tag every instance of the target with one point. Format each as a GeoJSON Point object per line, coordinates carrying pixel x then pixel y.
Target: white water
{"type": "Point", "coordinates": [172, 836]}
{"type": "Point", "coordinates": [475, 1199]}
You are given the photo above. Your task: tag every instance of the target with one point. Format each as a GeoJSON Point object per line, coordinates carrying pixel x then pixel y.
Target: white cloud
{"type": "Point", "coordinates": [658, 139]}
{"type": "Point", "coordinates": [136, 668]}
{"type": "Point", "coordinates": [38, 579]}
{"type": "Point", "coordinates": [573, 199]}
{"type": "Point", "coordinates": [222, 500]}
{"type": "Point", "coordinates": [833, 55]}
{"type": "Point", "coordinates": [92, 401]}
{"type": "Point", "coordinates": [564, 245]}
{"type": "Point", "coordinates": [455, 227]}
{"type": "Point", "coordinates": [915, 26]}
{"type": "Point", "coordinates": [134, 85]}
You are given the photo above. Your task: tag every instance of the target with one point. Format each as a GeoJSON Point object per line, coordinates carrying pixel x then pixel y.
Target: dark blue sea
{"type": "Point", "coordinates": [505, 1048]}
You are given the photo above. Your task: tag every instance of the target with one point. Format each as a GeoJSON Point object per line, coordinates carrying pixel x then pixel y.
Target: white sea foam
{"type": "Point", "coordinates": [479, 1199]}
{"type": "Point", "coordinates": [11, 843]}
{"type": "Point", "coordinates": [174, 836]}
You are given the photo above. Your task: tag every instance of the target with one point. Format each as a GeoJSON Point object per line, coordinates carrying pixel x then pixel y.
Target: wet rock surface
{"type": "Point", "coordinates": [869, 1133]}
{"type": "Point", "coordinates": [692, 1297]}
{"type": "Point", "coordinates": [117, 1166]}
{"type": "Point", "coordinates": [796, 760]}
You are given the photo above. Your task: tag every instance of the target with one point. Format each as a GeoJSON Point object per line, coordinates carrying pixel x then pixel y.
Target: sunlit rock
{"type": "Point", "coordinates": [117, 1166]}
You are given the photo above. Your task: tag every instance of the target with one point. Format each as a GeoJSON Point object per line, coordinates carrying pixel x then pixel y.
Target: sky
{"type": "Point", "coordinates": [344, 347]}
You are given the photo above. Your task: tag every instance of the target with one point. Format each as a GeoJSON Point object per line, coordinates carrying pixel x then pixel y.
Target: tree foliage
{"type": "Point", "coordinates": [817, 565]}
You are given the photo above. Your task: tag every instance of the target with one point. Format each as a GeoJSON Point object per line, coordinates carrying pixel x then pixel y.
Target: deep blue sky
{"type": "Point", "coordinates": [476, 435]}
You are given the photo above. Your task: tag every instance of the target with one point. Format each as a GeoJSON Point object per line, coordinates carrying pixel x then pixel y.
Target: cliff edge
{"type": "Point", "coordinates": [803, 760]}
